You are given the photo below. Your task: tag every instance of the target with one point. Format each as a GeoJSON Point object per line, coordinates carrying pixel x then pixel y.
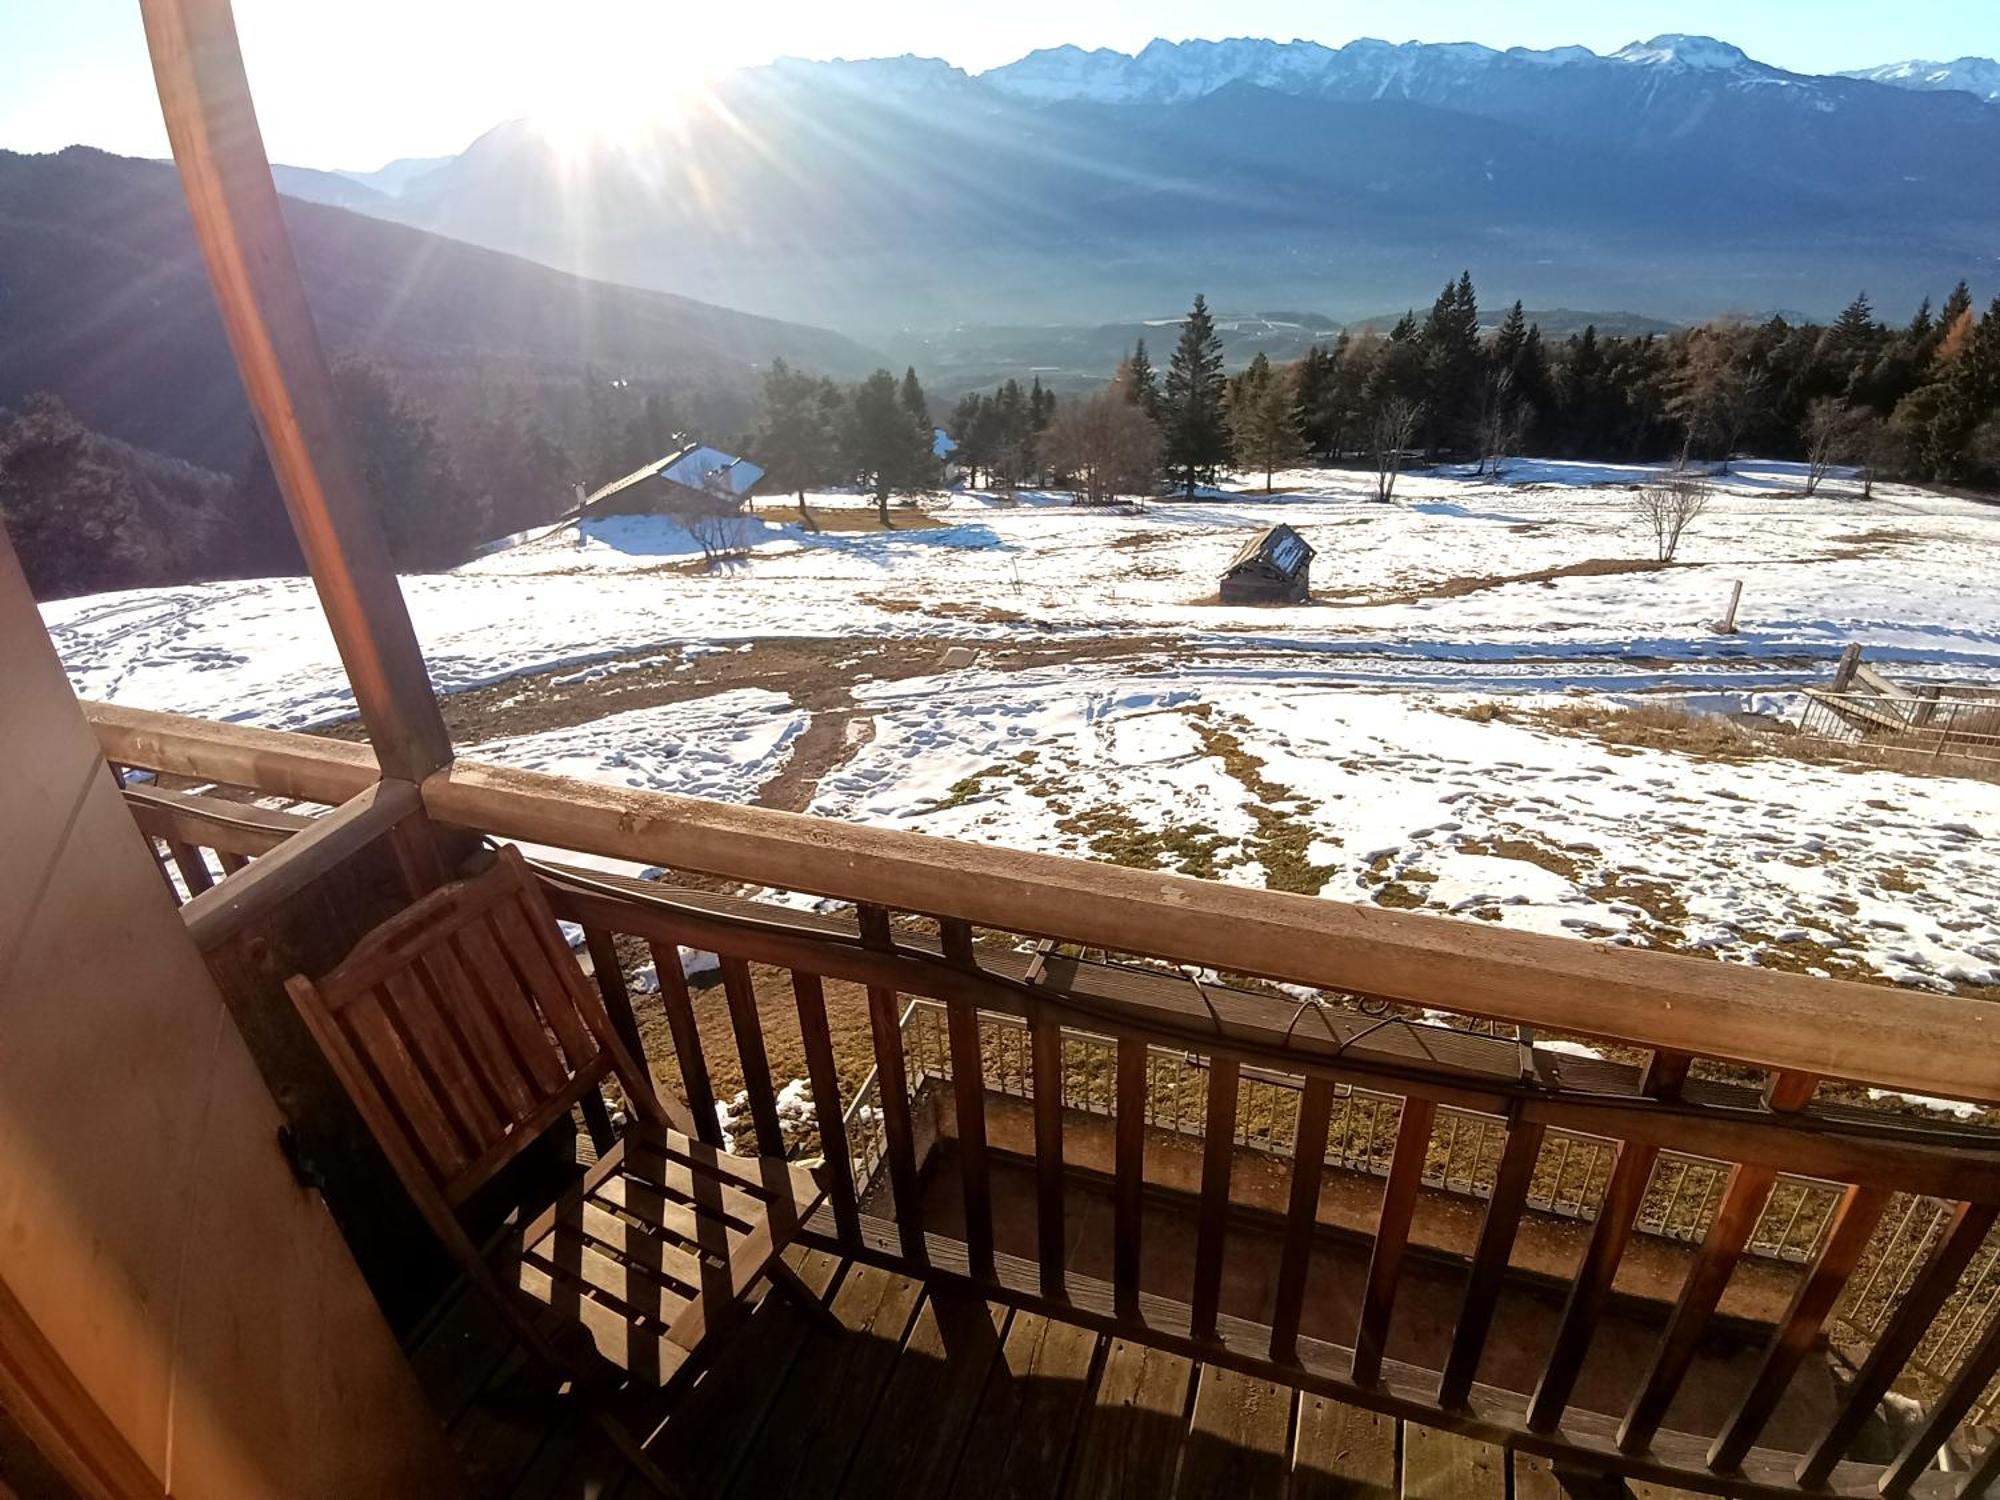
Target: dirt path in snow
{"type": "Point", "coordinates": [819, 675]}
{"type": "Point", "coordinates": [831, 736]}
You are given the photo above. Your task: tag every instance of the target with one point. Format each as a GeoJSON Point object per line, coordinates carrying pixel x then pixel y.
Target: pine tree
{"type": "Point", "coordinates": [912, 396]}
{"type": "Point", "coordinates": [1012, 453]}
{"type": "Point", "coordinates": [1955, 308]}
{"type": "Point", "coordinates": [920, 469]}
{"type": "Point", "coordinates": [1511, 342]}
{"type": "Point", "coordinates": [1264, 418]}
{"type": "Point", "coordinates": [1580, 393]}
{"type": "Point", "coordinates": [970, 429]}
{"type": "Point", "coordinates": [1142, 383]}
{"type": "Point", "coordinates": [1195, 427]}
{"type": "Point", "coordinates": [1041, 412]}
{"type": "Point", "coordinates": [1313, 385]}
{"type": "Point", "coordinates": [429, 516]}
{"type": "Point", "coordinates": [794, 442]}
{"type": "Point", "coordinates": [1965, 398]}
{"type": "Point", "coordinates": [879, 435]}
{"type": "Point", "coordinates": [1856, 325]}
{"type": "Point", "coordinates": [1451, 358]}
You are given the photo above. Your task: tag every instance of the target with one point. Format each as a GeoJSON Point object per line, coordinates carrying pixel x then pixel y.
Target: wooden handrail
{"type": "Point", "coordinates": [301, 766]}
{"type": "Point", "coordinates": [1899, 1039]}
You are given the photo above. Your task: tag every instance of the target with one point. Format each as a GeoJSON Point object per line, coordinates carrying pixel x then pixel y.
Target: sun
{"type": "Point", "coordinates": [618, 105]}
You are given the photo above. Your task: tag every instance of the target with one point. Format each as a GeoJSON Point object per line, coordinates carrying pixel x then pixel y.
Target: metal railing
{"type": "Point", "coordinates": [1930, 722]}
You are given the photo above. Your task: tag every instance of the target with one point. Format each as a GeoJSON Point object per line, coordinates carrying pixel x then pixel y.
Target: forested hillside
{"type": "Point", "coordinates": [87, 513]}
{"type": "Point", "coordinates": [1916, 399]}
{"type": "Point", "coordinates": [486, 385]}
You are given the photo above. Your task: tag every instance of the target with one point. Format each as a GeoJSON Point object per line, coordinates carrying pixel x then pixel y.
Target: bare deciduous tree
{"type": "Point", "coordinates": [719, 533]}
{"type": "Point", "coordinates": [1392, 427]}
{"type": "Point", "coordinates": [1717, 393]}
{"type": "Point", "coordinates": [1502, 424]}
{"type": "Point", "coordinates": [1832, 435]}
{"type": "Point", "coordinates": [1667, 508]}
{"type": "Point", "coordinates": [1106, 447]}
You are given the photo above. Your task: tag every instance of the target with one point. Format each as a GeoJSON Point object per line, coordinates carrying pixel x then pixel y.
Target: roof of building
{"type": "Point", "coordinates": [702, 468]}
{"type": "Point", "coordinates": [695, 466]}
{"type": "Point", "coordinates": [1280, 546]}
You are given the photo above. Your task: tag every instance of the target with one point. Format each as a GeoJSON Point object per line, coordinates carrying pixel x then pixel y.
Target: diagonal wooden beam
{"type": "Point", "coordinates": [212, 124]}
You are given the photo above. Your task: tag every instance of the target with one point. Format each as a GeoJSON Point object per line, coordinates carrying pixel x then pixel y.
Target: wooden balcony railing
{"type": "Point", "coordinates": [1333, 1040]}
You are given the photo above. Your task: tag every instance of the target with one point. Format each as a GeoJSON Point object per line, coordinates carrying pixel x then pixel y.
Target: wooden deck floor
{"type": "Point", "coordinates": [943, 1395]}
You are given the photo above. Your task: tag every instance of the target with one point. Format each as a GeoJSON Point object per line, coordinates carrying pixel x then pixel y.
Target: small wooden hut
{"type": "Point", "coordinates": [1274, 567]}
{"type": "Point", "coordinates": [694, 480]}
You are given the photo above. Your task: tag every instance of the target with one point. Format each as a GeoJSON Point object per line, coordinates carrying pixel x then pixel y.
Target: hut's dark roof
{"type": "Point", "coordinates": [1281, 547]}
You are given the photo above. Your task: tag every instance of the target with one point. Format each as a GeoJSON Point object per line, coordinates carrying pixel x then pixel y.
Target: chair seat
{"type": "Point", "coordinates": [652, 1249]}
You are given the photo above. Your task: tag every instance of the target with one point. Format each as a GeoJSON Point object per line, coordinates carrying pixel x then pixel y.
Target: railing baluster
{"type": "Point", "coordinates": [1854, 1221]}
{"type": "Point", "coordinates": [1130, 1164]}
{"type": "Point", "coordinates": [679, 1006]}
{"type": "Point", "coordinates": [1742, 1205]}
{"type": "Point", "coordinates": [898, 1134]}
{"type": "Point", "coordinates": [1301, 1215]}
{"type": "Point", "coordinates": [1967, 1231]}
{"type": "Point", "coordinates": [1045, 1061]}
{"type": "Point", "coordinates": [1218, 1153]}
{"type": "Point", "coordinates": [1392, 1236]}
{"type": "Point", "coordinates": [610, 974]}
{"type": "Point", "coordinates": [1489, 1261]}
{"type": "Point", "coordinates": [154, 847]}
{"type": "Point", "coordinates": [1592, 1283]}
{"type": "Point", "coordinates": [1788, 1093]}
{"type": "Point", "coordinates": [231, 861]}
{"type": "Point", "coordinates": [193, 867]}
{"type": "Point", "coordinates": [968, 1097]}
{"type": "Point", "coordinates": [893, 1083]}
{"type": "Point", "coordinates": [1665, 1076]}
{"type": "Point", "coordinates": [1975, 1373]}
{"type": "Point", "coordinates": [810, 997]}
{"type": "Point", "coordinates": [741, 994]}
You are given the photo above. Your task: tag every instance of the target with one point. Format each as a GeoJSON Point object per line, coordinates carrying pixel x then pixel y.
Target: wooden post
{"type": "Point", "coordinates": [1850, 659]}
{"type": "Point", "coordinates": [212, 124]}
{"type": "Point", "coordinates": [1727, 624]}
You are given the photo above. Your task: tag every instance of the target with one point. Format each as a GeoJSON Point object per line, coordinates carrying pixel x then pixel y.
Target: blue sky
{"type": "Point", "coordinates": [352, 83]}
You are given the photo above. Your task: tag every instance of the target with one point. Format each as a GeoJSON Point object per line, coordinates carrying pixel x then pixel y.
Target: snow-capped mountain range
{"type": "Point", "coordinates": [1968, 75]}
{"type": "Point", "coordinates": [1171, 72]}
{"type": "Point", "coordinates": [1676, 176]}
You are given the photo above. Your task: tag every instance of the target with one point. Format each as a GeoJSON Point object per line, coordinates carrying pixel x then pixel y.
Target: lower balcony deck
{"type": "Point", "coordinates": [1189, 1225]}
{"type": "Point", "coordinates": [936, 1392]}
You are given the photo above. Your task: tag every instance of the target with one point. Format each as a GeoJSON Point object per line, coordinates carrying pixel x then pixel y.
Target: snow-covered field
{"type": "Point", "coordinates": [1322, 747]}
{"type": "Point", "coordinates": [1907, 573]}
{"type": "Point", "coordinates": [1396, 796]}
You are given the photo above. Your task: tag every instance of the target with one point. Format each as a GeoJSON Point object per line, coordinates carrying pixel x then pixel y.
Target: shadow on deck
{"type": "Point", "coordinates": [942, 1394]}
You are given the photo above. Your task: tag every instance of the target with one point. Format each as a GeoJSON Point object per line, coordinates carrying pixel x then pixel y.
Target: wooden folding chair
{"type": "Point", "coordinates": [463, 1028]}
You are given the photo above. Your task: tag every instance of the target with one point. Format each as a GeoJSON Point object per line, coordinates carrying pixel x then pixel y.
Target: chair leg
{"type": "Point", "coordinates": [786, 1280]}
{"type": "Point", "coordinates": [634, 1454]}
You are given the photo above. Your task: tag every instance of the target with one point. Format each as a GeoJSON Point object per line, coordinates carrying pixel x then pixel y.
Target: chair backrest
{"type": "Point", "coordinates": [463, 1028]}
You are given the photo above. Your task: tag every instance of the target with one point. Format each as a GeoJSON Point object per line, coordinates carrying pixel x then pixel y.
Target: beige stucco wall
{"type": "Point", "coordinates": [150, 1232]}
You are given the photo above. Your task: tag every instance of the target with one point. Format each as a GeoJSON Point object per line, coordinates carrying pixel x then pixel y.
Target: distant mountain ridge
{"type": "Point", "coordinates": [103, 301]}
{"type": "Point", "coordinates": [1677, 176]}
{"type": "Point", "coordinates": [1168, 72]}
{"type": "Point", "coordinates": [1979, 76]}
